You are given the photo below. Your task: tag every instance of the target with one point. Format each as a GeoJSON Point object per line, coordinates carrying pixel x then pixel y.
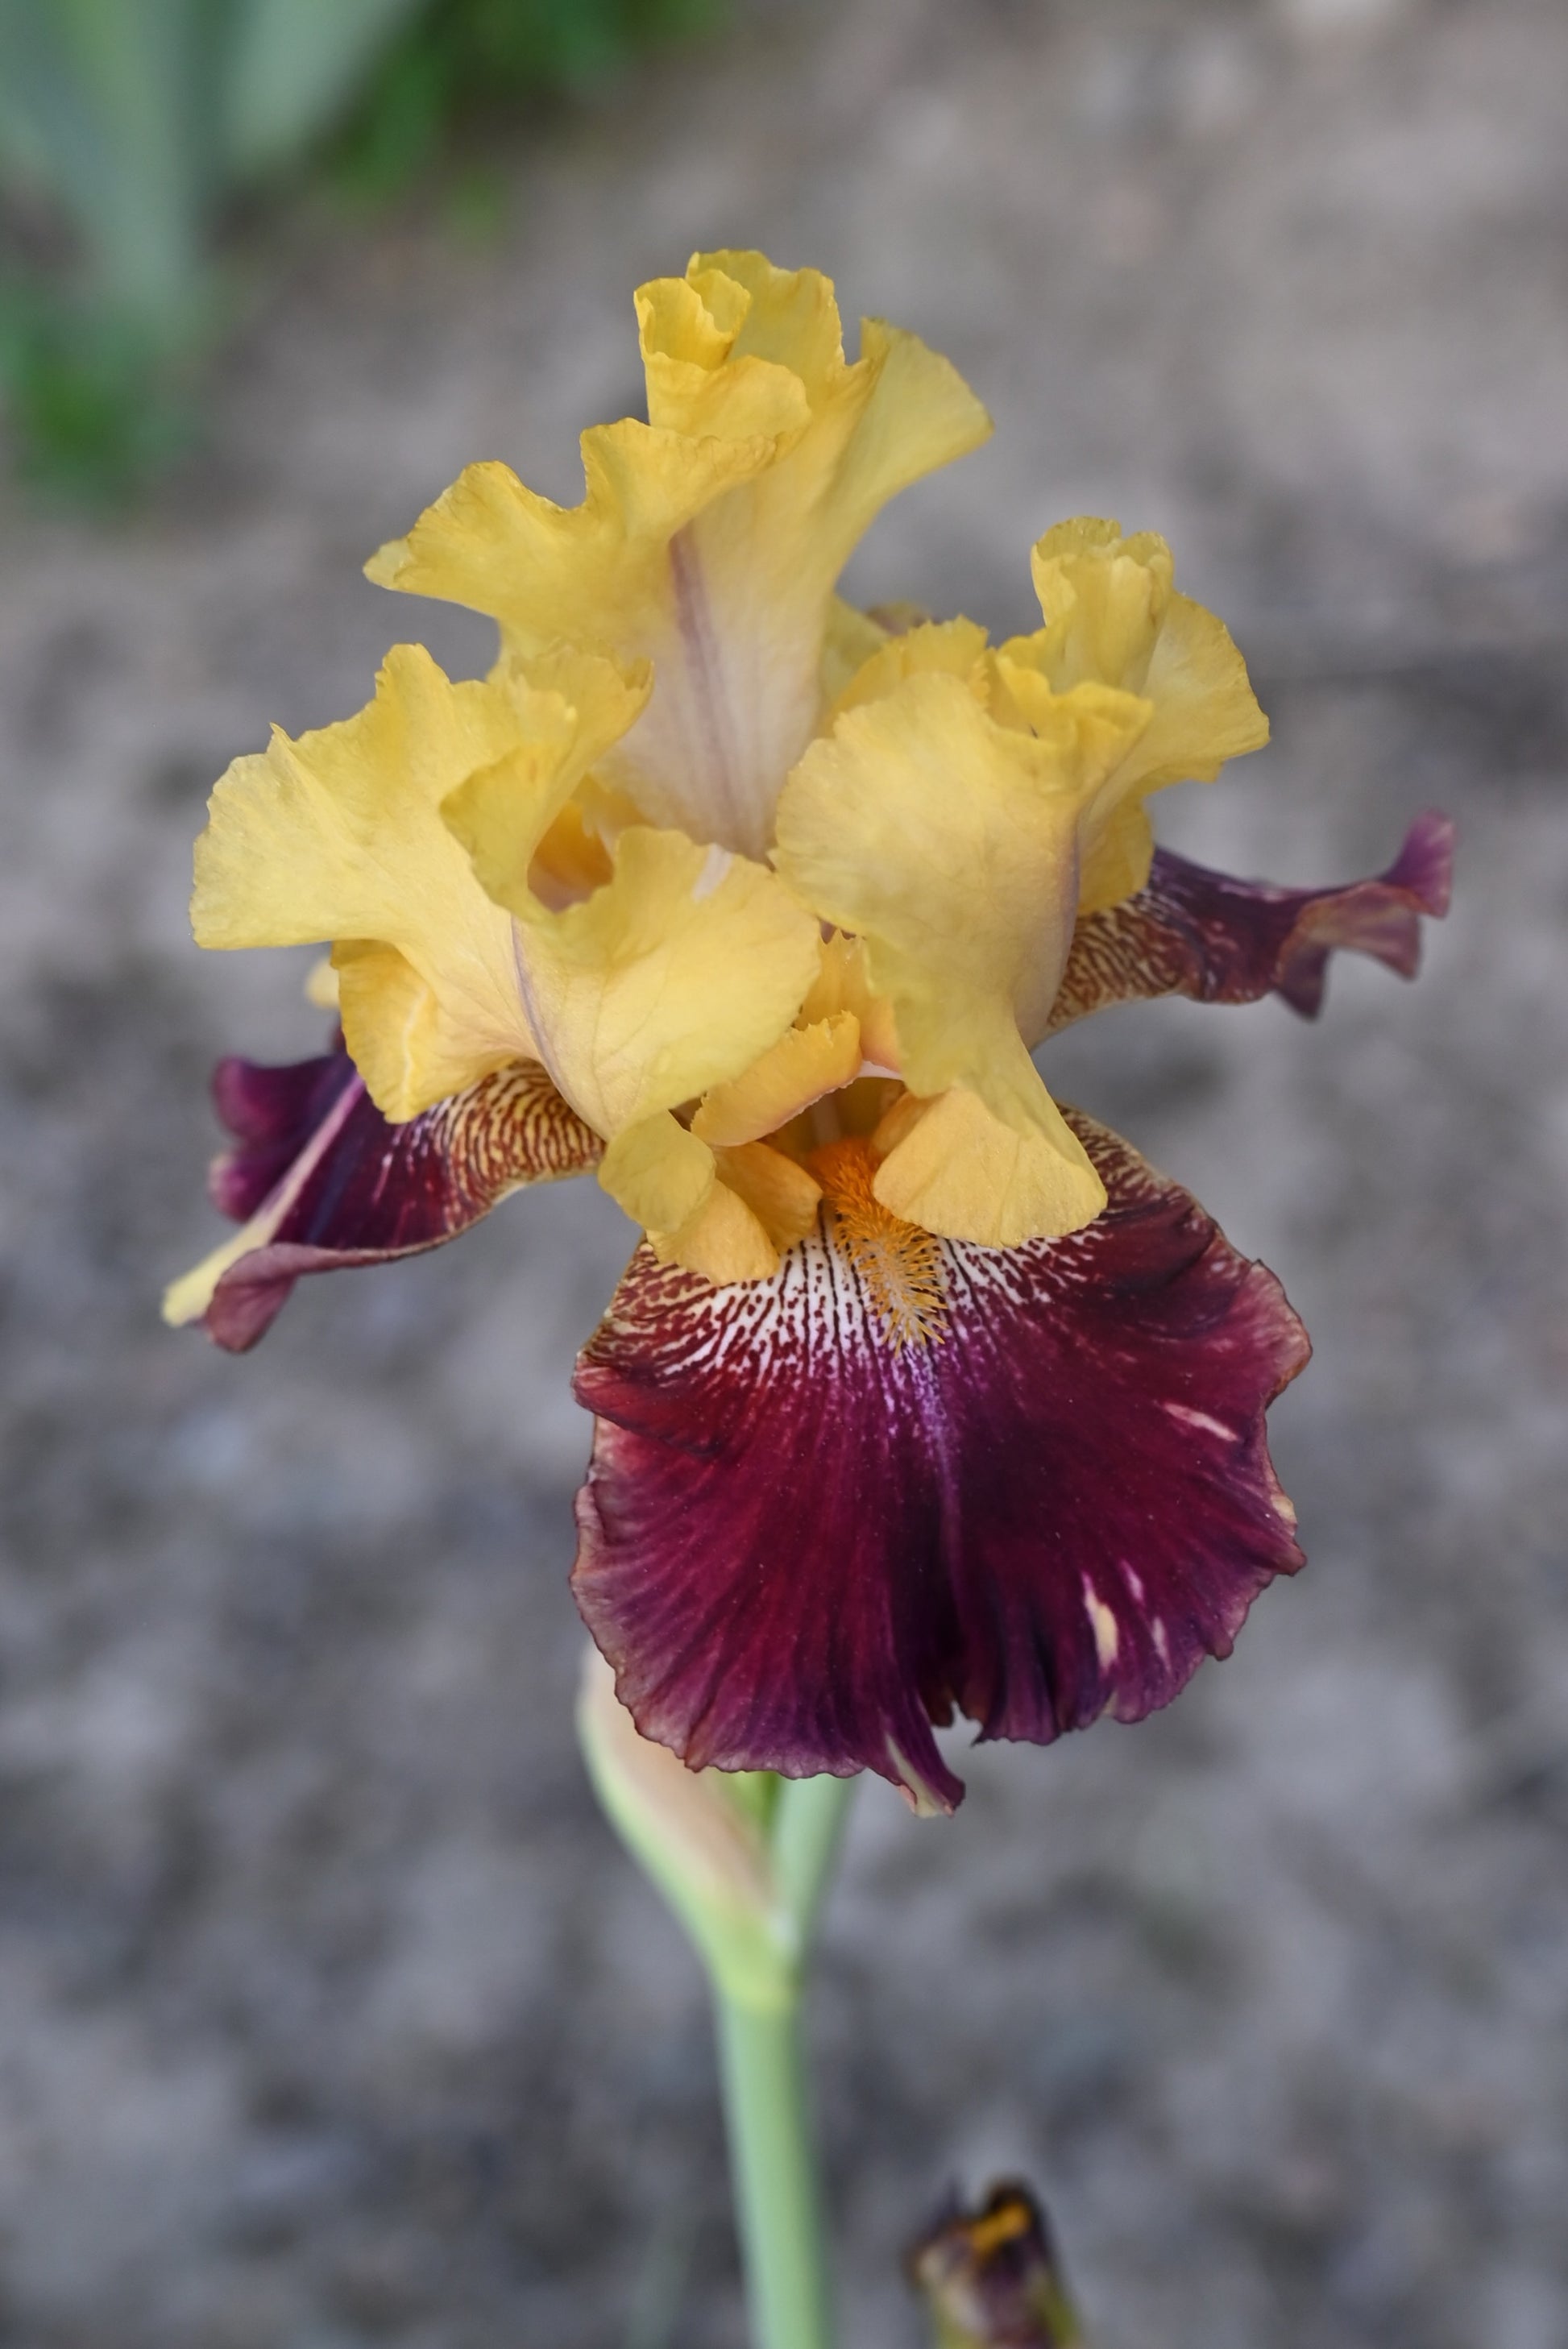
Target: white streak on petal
{"type": "Point", "coordinates": [1201, 1419]}
{"type": "Point", "coordinates": [1106, 1639]}
{"type": "Point", "coordinates": [715, 864]}
{"type": "Point", "coordinates": [912, 1786]}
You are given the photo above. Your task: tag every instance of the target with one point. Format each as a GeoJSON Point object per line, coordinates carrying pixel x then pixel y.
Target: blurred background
{"type": "Point", "coordinates": [331, 2015]}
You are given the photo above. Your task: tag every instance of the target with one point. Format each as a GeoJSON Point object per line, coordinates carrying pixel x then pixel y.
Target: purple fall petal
{"type": "Point", "coordinates": [801, 1543]}
{"type": "Point", "coordinates": [326, 1181]}
{"type": "Point", "coordinates": [1192, 932]}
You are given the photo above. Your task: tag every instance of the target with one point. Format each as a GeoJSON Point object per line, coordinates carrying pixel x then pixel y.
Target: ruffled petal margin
{"type": "Point", "coordinates": [908, 1475]}
{"type": "Point", "coordinates": [319, 1179]}
{"type": "Point", "coordinates": [1190, 931]}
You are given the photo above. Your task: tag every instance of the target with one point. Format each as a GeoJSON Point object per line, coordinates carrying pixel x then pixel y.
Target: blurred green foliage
{"type": "Point", "coordinates": [132, 125]}
{"type": "Point", "coordinates": [467, 58]}
{"type": "Point", "coordinates": [98, 401]}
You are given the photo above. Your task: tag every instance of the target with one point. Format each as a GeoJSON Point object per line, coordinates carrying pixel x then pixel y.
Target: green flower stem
{"type": "Point", "coordinates": [772, 2162]}
{"type": "Point", "coordinates": [772, 2151]}
{"type": "Point", "coordinates": [743, 1859]}
{"type": "Point", "coordinates": [808, 1827]}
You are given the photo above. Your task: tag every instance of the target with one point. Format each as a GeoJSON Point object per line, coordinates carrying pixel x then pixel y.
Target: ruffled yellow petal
{"type": "Point", "coordinates": [1206, 710]}
{"type": "Point", "coordinates": [948, 647]}
{"type": "Point", "coordinates": [723, 1241]}
{"type": "Point", "coordinates": [339, 836]}
{"type": "Point", "coordinates": [957, 1169]}
{"type": "Point", "coordinates": [850, 639]}
{"type": "Point", "coordinates": [586, 571]}
{"type": "Point", "coordinates": [1113, 617]}
{"type": "Point", "coordinates": [706, 376]}
{"type": "Point", "coordinates": [778, 1190]}
{"type": "Point", "coordinates": [949, 845]}
{"type": "Point", "coordinates": [411, 1048]}
{"type": "Point", "coordinates": [1116, 849]}
{"type": "Point", "coordinates": [804, 1064]}
{"type": "Point", "coordinates": [761, 1204]}
{"type": "Point", "coordinates": [710, 538]}
{"type": "Point", "coordinates": [297, 838]}
{"type": "Point", "coordinates": [661, 1174]}
{"type": "Point", "coordinates": [1104, 597]}
{"type": "Point", "coordinates": [672, 977]}
{"type": "Point", "coordinates": [841, 985]}
{"type": "Point", "coordinates": [785, 318]}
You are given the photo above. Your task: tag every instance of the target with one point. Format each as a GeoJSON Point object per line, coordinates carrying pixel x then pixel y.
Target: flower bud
{"type": "Point", "coordinates": [990, 2276]}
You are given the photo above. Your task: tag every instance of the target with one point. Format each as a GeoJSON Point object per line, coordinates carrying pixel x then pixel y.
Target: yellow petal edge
{"type": "Point", "coordinates": [709, 539]}
{"type": "Point", "coordinates": [712, 846]}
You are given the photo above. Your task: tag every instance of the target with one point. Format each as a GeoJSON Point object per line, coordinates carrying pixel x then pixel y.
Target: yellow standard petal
{"type": "Point", "coordinates": [710, 539]}
{"type": "Point", "coordinates": [1112, 617]}
{"type": "Point", "coordinates": [804, 1064]}
{"type": "Point", "coordinates": [658, 1171]}
{"type": "Point", "coordinates": [852, 637]}
{"type": "Point", "coordinates": [339, 836]}
{"type": "Point", "coordinates": [947, 648]}
{"type": "Point", "coordinates": [671, 979]}
{"type": "Point", "coordinates": [949, 845]}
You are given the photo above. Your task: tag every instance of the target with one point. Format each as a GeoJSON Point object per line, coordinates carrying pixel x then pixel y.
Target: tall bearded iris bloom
{"type": "Point", "coordinates": [921, 1392]}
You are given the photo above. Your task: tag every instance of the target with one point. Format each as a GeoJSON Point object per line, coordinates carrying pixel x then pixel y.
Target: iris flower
{"type": "Point", "coordinates": [922, 1393]}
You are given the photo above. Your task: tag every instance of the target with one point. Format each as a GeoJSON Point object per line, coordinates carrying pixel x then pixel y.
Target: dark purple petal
{"type": "Point", "coordinates": [806, 1536]}
{"type": "Point", "coordinates": [322, 1180]}
{"type": "Point", "coordinates": [1192, 932]}
{"type": "Point", "coordinates": [271, 1113]}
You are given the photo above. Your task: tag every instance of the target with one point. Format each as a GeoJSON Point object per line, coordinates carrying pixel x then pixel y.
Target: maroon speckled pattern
{"type": "Point", "coordinates": [800, 1546]}
{"type": "Point", "coordinates": [364, 1190]}
{"type": "Point", "coordinates": [1193, 932]}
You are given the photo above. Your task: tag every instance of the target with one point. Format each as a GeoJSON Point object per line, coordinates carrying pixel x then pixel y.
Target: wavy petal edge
{"type": "Point", "coordinates": [1053, 1506]}
{"type": "Point", "coordinates": [1197, 932]}
{"type": "Point", "coordinates": [320, 1181]}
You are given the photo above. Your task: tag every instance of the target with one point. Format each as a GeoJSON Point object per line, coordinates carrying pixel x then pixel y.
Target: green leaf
{"type": "Point", "coordinates": [95, 408]}
{"type": "Point", "coordinates": [110, 106]}
{"type": "Point", "coordinates": [294, 68]}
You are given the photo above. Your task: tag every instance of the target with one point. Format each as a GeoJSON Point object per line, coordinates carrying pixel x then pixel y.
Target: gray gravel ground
{"type": "Point", "coordinates": [330, 2016]}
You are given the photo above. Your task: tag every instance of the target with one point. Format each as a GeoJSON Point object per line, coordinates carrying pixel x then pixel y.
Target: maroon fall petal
{"type": "Point", "coordinates": [806, 1536]}
{"type": "Point", "coordinates": [326, 1181]}
{"type": "Point", "coordinates": [1192, 932]}
{"type": "Point", "coordinates": [273, 1113]}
